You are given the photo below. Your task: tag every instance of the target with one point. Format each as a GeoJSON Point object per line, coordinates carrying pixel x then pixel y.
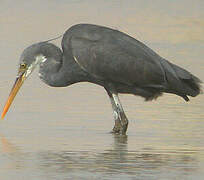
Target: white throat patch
{"type": "Point", "coordinates": [38, 59]}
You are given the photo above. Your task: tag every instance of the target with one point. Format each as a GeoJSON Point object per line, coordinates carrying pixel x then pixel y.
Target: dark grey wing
{"type": "Point", "coordinates": [118, 57]}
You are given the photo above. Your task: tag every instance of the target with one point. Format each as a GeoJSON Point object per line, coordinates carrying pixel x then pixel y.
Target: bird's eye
{"type": "Point", "coordinates": [23, 66]}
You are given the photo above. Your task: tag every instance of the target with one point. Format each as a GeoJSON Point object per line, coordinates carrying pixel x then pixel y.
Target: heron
{"type": "Point", "coordinates": [109, 58]}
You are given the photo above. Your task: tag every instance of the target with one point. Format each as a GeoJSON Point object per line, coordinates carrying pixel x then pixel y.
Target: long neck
{"type": "Point", "coordinates": [59, 69]}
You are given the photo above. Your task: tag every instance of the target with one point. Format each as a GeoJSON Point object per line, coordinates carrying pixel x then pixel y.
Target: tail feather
{"type": "Point", "coordinates": [180, 81]}
{"type": "Point", "coordinates": [191, 83]}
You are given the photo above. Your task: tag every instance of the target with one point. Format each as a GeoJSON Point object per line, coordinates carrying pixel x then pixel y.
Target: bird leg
{"type": "Point", "coordinates": [121, 121]}
{"type": "Point", "coordinates": [117, 127]}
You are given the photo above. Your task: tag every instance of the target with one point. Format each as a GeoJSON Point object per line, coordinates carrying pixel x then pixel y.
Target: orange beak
{"type": "Point", "coordinates": [18, 83]}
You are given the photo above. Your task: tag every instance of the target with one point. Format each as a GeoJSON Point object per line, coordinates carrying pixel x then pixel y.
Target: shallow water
{"type": "Point", "coordinates": [63, 133]}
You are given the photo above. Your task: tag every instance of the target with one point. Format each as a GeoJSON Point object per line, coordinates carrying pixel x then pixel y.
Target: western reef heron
{"type": "Point", "coordinates": [109, 58]}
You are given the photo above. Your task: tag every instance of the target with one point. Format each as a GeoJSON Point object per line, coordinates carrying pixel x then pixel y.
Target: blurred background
{"type": "Point", "coordinates": [62, 133]}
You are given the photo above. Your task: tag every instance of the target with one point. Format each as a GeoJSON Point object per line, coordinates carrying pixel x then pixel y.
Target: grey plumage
{"type": "Point", "coordinates": [99, 54]}
{"type": "Point", "coordinates": [114, 60]}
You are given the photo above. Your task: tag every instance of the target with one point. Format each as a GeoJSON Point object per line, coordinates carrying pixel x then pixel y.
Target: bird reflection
{"type": "Point", "coordinates": [117, 152]}
{"type": "Point", "coordinates": [7, 147]}
{"type": "Point", "coordinates": [118, 159]}
{"type": "Point", "coordinates": [15, 158]}
{"type": "Point", "coordinates": [115, 160]}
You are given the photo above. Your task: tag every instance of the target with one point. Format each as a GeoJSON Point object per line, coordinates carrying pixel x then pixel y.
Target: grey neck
{"type": "Point", "coordinates": [58, 69]}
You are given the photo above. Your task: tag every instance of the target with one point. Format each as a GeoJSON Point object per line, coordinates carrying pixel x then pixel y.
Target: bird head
{"type": "Point", "coordinates": [29, 59]}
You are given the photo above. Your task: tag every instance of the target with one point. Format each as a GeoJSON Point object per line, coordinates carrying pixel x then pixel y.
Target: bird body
{"type": "Point", "coordinates": [112, 59]}
{"type": "Point", "coordinates": [99, 55]}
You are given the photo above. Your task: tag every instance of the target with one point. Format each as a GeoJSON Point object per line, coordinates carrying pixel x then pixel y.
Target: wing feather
{"type": "Point", "coordinates": [115, 56]}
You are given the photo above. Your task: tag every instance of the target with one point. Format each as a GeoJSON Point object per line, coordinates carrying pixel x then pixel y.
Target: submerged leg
{"type": "Point", "coordinates": [117, 127]}
{"type": "Point", "coordinates": [121, 121]}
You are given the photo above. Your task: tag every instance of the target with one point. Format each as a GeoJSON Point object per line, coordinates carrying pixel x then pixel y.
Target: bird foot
{"type": "Point", "coordinates": [119, 129]}
{"type": "Point", "coordinates": [115, 131]}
